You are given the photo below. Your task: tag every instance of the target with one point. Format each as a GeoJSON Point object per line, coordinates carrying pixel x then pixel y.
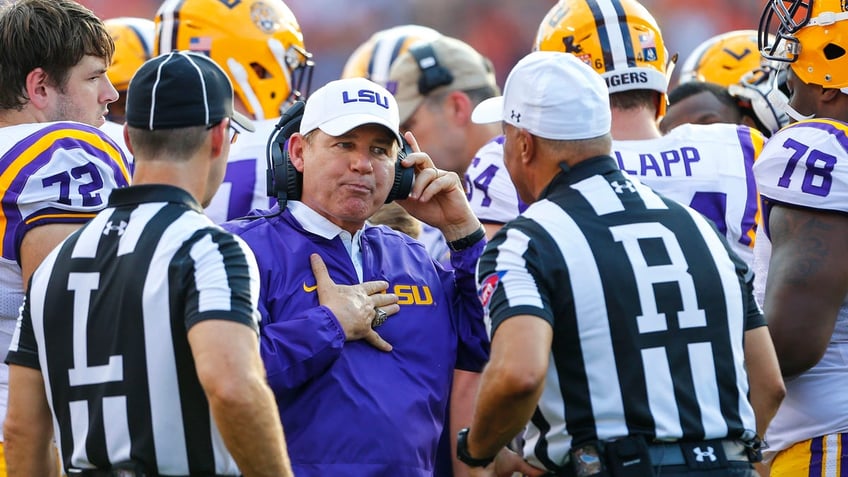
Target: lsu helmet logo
{"type": "Point", "coordinates": [265, 18]}
{"type": "Point", "coordinates": [487, 288]}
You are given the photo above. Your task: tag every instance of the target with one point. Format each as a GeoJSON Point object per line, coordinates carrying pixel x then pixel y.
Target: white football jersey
{"type": "Point", "coordinates": [489, 188]}
{"type": "Point", "coordinates": [708, 168]}
{"type": "Point", "coordinates": [59, 172]}
{"type": "Point", "coordinates": [806, 164]}
{"type": "Point", "coordinates": [245, 186]}
{"type": "Point", "coordinates": [116, 132]}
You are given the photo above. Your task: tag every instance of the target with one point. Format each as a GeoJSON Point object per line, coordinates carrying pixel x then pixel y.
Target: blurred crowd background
{"type": "Point", "coordinates": [503, 30]}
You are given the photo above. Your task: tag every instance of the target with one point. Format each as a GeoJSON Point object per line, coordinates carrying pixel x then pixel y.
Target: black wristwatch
{"type": "Point", "coordinates": [467, 241]}
{"type": "Point", "coordinates": [462, 451]}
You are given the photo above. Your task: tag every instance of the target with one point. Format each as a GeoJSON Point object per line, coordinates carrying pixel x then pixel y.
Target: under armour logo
{"type": "Point", "coordinates": [111, 227]}
{"type": "Point", "coordinates": [619, 187]}
{"type": "Point", "coordinates": [708, 454]}
{"type": "Point", "coordinates": [515, 116]}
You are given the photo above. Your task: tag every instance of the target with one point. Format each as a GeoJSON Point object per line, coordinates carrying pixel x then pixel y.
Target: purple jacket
{"type": "Point", "coordinates": [347, 408]}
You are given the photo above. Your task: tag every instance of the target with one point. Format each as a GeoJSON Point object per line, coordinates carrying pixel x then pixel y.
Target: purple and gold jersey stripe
{"type": "Point", "coordinates": [837, 129]}
{"type": "Point", "coordinates": [752, 145]}
{"type": "Point", "coordinates": [24, 204]}
{"type": "Point", "coordinates": [822, 456]}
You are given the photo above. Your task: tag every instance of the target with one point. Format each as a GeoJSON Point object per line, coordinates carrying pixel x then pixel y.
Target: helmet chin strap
{"type": "Point", "coordinates": [240, 75]}
{"type": "Point", "coordinates": [794, 114]}
{"type": "Point", "coordinates": [781, 102]}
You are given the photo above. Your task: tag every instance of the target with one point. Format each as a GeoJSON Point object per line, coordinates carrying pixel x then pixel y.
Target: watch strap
{"type": "Point", "coordinates": [468, 240]}
{"type": "Point", "coordinates": [462, 451]}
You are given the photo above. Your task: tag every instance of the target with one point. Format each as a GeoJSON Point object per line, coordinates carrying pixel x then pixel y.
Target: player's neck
{"type": "Point", "coordinates": [11, 117]}
{"type": "Point", "coordinates": [634, 124]}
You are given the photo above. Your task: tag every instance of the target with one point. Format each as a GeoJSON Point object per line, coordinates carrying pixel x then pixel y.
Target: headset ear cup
{"type": "Point", "coordinates": [284, 181]}
{"type": "Point", "coordinates": [293, 179]}
{"type": "Point", "coordinates": [404, 177]}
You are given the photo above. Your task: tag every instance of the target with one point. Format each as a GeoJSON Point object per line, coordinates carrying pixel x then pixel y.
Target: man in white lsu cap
{"type": "Point", "coordinates": [577, 319]}
{"type": "Point", "coordinates": [357, 314]}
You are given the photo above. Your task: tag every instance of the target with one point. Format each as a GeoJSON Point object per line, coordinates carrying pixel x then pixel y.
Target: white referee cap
{"type": "Point", "coordinates": [552, 95]}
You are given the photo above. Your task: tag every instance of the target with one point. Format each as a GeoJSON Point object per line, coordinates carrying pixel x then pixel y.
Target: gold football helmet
{"type": "Point", "coordinates": [618, 38]}
{"type": "Point", "coordinates": [374, 58]}
{"type": "Point", "coordinates": [723, 59]}
{"type": "Point", "coordinates": [133, 39]}
{"type": "Point", "coordinates": [811, 36]}
{"type": "Point", "coordinates": [763, 92]}
{"type": "Point", "coordinates": [257, 42]}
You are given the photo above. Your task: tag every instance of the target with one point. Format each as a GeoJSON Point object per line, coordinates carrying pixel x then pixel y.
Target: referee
{"type": "Point", "coordinates": [618, 316]}
{"type": "Point", "coordinates": [139, 332]}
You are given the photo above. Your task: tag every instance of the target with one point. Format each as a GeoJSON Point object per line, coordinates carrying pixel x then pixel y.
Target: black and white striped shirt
{"type": "Point", "coordinates": [648, 309]}
{"type": "Point", "coordinates": [106, 321]}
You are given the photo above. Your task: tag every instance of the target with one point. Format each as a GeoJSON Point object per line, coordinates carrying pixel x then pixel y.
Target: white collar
{"type": "Point", "coordinates": [316, 223]}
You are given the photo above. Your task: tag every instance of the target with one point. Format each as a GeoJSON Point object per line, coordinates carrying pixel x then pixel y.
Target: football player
{"type": "Point", "coordinates": [754, 101]}
{"type": "Point", "coordinates": [58, 168]}
{"type": "Point", "coordinates": [802, 175]}
{"type": "Point", "coordinates": [260, 46]}
{"type": "Point", "coordinates": [723, 59]}
{"type": "Point", "coordinates": [732, 61]}
{"type": "Point", "coordinates": [707, 167]}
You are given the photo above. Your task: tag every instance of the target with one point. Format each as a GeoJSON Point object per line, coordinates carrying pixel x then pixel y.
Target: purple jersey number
{"type": "Point", "coordinates": [89, 190]}
{"type": "Point", "coordinates": [817, 178]}
{"type": "Point", "coordinates": [481, 183]}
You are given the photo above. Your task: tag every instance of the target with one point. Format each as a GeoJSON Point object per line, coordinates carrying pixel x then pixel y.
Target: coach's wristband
{"type": "Point", "coordinates": [468, 240]}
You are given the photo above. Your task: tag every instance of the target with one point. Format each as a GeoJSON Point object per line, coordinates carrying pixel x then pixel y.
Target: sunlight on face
{"type": "Point", "coordinates": [86, 94]}
{"type": "Point", "coordinates": [347, 178]}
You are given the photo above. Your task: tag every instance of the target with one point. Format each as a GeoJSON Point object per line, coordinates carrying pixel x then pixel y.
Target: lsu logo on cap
{"type": "Point", "coordinates": [366, 96]}
{"type": "Point", "coordinates": [487, 288]}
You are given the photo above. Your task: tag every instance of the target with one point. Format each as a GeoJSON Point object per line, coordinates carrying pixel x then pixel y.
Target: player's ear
{"type": "Point", "coordinates": [830, 94]}
{"type": "Point", "coordinates": [37, 88]}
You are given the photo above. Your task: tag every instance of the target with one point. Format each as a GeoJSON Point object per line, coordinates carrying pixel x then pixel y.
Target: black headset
{"type": "Point", "coordinates": [433, 75]}
{"type": "Point", "coordinates": [285, 183]}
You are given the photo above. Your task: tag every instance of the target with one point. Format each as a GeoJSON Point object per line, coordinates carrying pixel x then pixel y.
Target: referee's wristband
{"type": "Point", "coordinates": [468, 240]}
{"type": "Point", "coordinates": [462, 451]}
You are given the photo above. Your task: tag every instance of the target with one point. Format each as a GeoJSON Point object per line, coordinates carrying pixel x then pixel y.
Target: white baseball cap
{"type": "Point", "coordinates": [344, 104]}
{"type": "Point", "coordinates": [552, 95]}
